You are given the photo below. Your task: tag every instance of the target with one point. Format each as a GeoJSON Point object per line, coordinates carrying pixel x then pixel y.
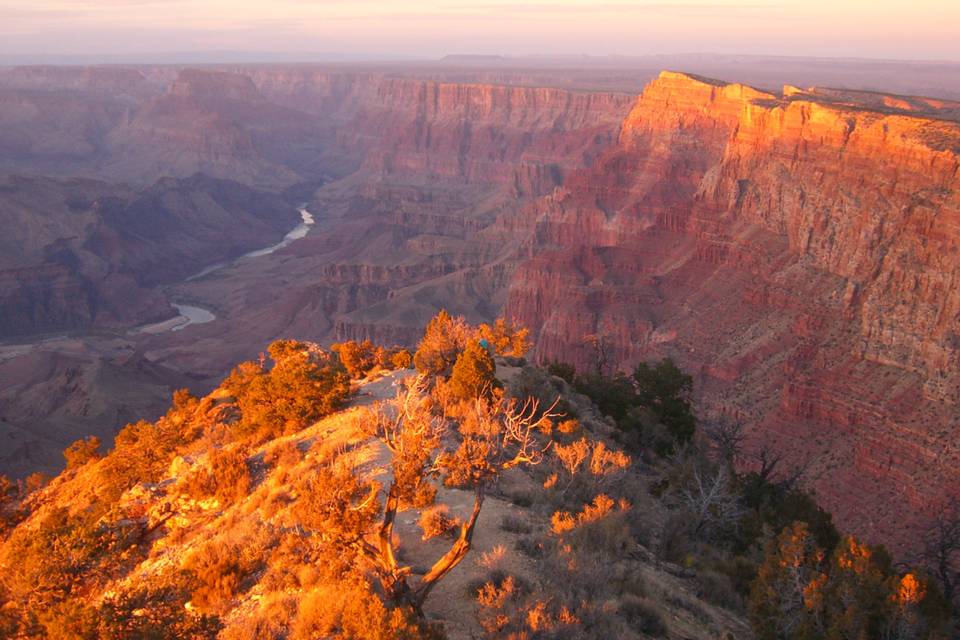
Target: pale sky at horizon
{"type": "Point", "coordinates": [922, 29]}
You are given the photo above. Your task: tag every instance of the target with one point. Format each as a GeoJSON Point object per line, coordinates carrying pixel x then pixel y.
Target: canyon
{"type": "Point", "coordinates": [797, 250]}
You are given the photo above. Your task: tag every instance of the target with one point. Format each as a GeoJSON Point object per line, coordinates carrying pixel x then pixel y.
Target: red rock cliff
{"type": "Point", "coordinates": [800, 254]}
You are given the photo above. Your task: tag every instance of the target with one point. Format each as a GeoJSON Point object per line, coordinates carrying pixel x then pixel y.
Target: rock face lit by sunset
{"type": "Point", "coordinates": [542, 320]}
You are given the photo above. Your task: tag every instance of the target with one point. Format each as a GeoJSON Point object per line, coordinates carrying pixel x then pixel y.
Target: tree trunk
{"type": "Point", "coordinates": [452, 558]}
{"type": "Point", "coordinates": [385, 537]}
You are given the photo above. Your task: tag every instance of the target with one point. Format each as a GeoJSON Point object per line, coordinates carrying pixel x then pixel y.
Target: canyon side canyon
{"type": "Point", "coordinates": [797, 250]}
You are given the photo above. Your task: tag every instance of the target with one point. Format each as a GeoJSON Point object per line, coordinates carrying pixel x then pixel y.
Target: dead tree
{"type": "Point", "coordinates": [493, 436]}
{"type": "Point", "coordinates": [601, 348]}
{"type": "Point", "coordinates": [713, 501]}
{"type": "Point", "coordinates": [941, 548]}
{"type": "Point", "coordinates": [727, 438]}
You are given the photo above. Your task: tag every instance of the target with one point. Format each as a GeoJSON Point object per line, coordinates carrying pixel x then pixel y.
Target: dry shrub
{"type": "Point", "coordinates": [582, 468]}
{"type": "Point", "coordinates": [513, 524]}
{"type": "Point", "coordinates": [284, 455]}
{"type": "Point", "coordinates": [606, 462]}
{"type": "Point", "coordinates": [609, 536]}
{"type": "Point", "coordinates": [285, 568]}
{"type": "Point", "coordinates": [506, 608]}
{"type": "Point", "coordinates": [152, 612]}
{"type": "Point", "coordinates": [226, 477]}
{"type": "Point", "coordinates": [535, 383]}
{"type": "Point", "coordinates": [563, 521]}
{"type": "Point", "coordinates": [718, 589]}
{"type": "Point", "coordinates": [531, 547]}
{"type": "Point", "coordinates": [569, 427]}
{"type": "Point", "coordinates": [643, 615]}
{"type": "Point", "coordinates": [351, 610]}
{"type": "Point", "coordinates": [676, 538]}
{"type": "Point", "coordinates": [492, 560]}
{"type": "Point", "coordinates": [435, 521]}
{"type": "Point", "coordinates": [218, 572]}
{"type": "Point", "coordinates": [271, 621]}
{"type": "Point", "coordinates": [573, 456]}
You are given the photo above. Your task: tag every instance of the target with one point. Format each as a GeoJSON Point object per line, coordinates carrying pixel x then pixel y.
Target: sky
{"type": "Point", "coordinates": [908, 29]}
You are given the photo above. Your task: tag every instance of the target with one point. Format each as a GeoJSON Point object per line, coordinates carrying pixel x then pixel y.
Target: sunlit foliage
{"type": "Point", "coordinates": [82, 451]}
{"type": "Point", "coordinates": [304, 384]}
{"type": "Point", "coordinates": [474, 373]}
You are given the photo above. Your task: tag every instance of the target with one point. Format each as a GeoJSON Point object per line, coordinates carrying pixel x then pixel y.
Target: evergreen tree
{"type": "Point", "coordinates": [666, 391]}
{"type": "Point", "coordinates": [474, 373]}
{"type": "Point", "coordinates": [443, 339]}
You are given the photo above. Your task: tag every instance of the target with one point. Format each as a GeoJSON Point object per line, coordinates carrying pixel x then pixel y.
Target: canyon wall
{"type": "Point", "coordinates": [799, 254]}
{"type": "Point", "coordinates": [81, 254]}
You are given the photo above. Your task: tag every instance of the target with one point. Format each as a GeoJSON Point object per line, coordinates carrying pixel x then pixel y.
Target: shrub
{"type": "Point", "coordinates": [643, 615]}
{"type": "Point", "coordinates": [350, 610]}
{"type": "Point", "coordinates": [444, 338]}
{"type": "Point", "coordinates": [49, 562]}
{"type": "Point", "coordinates": [225, 477]}
{"type": "Point", "coordinates": [34, 482]}
{"type": "Point", "coordinates": [534, 384]}
{"type": "Point", "coordinates": [8, 504]}
{"type": "Point", "coordinates": [531, 547]}
{"type": "Point", "coordinates": [218, 571]}
{"type": "Point", "coordinates": [655, 403]}
{"type": "Point", "coordinates": [614, 396]}
{"type": "Point", "coordinates": [358, 358]}
{"type": "Point", "coordinates": [305, 384]}
{"type": "Point", "coordinates": [142, 453]}
{"type": "Point", "coordinates": [82, 451]}
{"type": "Point", "coordinates": [513, 524]}
{"type": "Point", "coordinates": [718, 589]}
{"type": "Point", "coordinates": [474, 374]}
{"type": "Point", "coordinates": [153, 613]}
{"type": "Point", "coordinates": [676, 537]}
{"type": "Point", "coordinates": [284, 455]}
{"type": "Point", "coordinates": [435, 521]}
{"type": "Point", "coordinates": [666, 391]}
{"type": "Point", "coordinates": [401, 359]}
{"type": "Point", "coordinates": [505, 338]}
{"type": "Point", "coordinates": [562, 370]}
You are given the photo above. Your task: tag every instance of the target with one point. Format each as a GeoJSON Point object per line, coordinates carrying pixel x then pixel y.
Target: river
{"type": "Point", "coordinates": [190, 314]}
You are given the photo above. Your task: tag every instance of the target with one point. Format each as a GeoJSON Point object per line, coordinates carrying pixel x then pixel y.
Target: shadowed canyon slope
{"type": "Point", "coordinates": [798, 251]}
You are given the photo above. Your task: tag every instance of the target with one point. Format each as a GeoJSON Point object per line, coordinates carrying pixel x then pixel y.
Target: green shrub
{"type": "Point", "coordinates": [304, 385]}
{"type": "Point", "coordinates": [474, 373]}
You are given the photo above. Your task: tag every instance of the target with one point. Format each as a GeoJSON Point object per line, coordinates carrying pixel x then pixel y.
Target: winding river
{"type": "Point", "coordinates": [189, 314]}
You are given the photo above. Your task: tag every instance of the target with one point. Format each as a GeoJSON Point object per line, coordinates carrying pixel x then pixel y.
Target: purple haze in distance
{"type": "Point", "coordinates": [291, 30]}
